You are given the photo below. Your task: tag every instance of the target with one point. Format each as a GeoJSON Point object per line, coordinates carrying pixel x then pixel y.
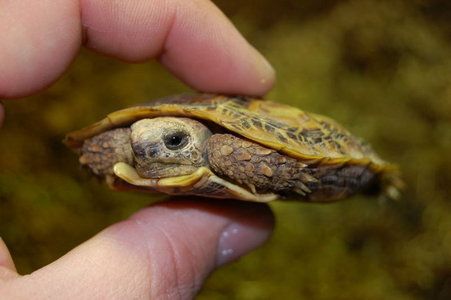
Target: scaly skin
{"type": "Point", "coordinates": [320, 142]}
{"type": "Point", "coordinates": [248, 164]}
{"type": "Point", "coordinates": [264, 170]}
{"type": "Point", "coordinates": [258, 168]}
{"type": "Point", "coordinates": [102, 151]}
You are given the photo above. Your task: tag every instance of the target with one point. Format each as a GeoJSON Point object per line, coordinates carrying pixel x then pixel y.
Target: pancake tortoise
{"type": "Point", "coordinates": [231, 147]}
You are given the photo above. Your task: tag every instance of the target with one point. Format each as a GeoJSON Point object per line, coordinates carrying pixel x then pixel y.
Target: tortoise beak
{"type": "Point", "coordinates": [128, 174]}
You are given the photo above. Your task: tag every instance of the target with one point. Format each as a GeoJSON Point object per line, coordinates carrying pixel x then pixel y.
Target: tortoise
{"type": "Point", "coordinates": [231, 147]}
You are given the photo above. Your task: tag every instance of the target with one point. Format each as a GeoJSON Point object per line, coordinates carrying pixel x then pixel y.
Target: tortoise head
{"type": "Point", "coordinates": [167, 146]}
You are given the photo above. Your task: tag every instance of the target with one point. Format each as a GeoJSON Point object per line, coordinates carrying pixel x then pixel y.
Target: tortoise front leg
{"type": "Point", "coordinates": [259, 168]}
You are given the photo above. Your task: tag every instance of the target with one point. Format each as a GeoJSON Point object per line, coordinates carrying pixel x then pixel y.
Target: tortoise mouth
{"type": "Point", "coordinates": [164, 169]}
{"type": "Point", "coordinates": [129, 174]}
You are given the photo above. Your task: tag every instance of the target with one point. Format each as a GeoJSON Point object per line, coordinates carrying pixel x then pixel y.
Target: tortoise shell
{"type": "Point", "coordinates": [306, 137]}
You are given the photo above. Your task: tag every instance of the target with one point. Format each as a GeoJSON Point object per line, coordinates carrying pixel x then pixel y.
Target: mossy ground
{"type": "Point", "coordinates": [381, 68]}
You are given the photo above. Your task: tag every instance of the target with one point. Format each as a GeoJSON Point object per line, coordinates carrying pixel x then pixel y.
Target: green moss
{"type": "Point", "coordinates": [382, 68]}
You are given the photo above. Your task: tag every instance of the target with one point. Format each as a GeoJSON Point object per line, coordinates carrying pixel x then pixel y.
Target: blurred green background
{"type": "Point", "coordinates": [381, 68]}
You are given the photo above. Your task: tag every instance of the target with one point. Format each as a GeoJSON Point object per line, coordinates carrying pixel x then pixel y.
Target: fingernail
{"type": "Point", "coordinates": [238, 239]}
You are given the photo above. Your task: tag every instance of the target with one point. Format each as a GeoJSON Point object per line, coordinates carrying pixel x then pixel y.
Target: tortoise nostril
{"type": "Point", "coordinates": [152, 152]}
{"type": "Point", "coordinates": [144, 150]}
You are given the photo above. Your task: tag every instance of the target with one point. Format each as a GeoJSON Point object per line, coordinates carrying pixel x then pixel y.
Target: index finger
{"type": "Point", "coordinates": [193, 39]}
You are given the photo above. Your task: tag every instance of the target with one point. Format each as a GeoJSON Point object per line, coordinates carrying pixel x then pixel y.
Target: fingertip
{"type": "Point", "coordinates": [191, 238]}
{"type": "Point", "coordinates": [234, 227]}
{"type": "Point", "coordinates": [180, 242]}
{"type": "Point", "coordinates": [266, 75]}
{"type": "Point", "coordinates": [205, 50]}
{"type": "Point", "coordinates": [248, 73]}
{"type": "Point", "coordinates": [251, 229]}
{"type": "Point", "coordinates": [199, 212]}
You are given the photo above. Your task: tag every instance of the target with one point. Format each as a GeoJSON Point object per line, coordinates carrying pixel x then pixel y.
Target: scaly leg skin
{"type": "Point", "coordinates": [102, 151]}
{"type": "Point", "coordinates": [241, 169]}
{"type": "Point", "coordinates": [337, 182]}
{"type": "Point", "coordinates": [265, 170]}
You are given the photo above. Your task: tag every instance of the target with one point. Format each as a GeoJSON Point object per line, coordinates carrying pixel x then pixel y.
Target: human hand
{"type": "Point", "coordinates": [167, 250]}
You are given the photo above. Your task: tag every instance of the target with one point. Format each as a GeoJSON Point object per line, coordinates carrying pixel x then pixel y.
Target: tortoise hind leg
{"type": "Point", "coordinates": [336, 182]}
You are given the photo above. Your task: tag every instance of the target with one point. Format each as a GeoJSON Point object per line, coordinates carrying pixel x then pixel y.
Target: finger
{"type": "Point", "coordinates": [39, 40]}
{"type": "Point", "coordinates": [7, 267]}
{"type": "Point", "coordinates": [192, 38]}
{"type": "Point", "coordinates": [165, 251]}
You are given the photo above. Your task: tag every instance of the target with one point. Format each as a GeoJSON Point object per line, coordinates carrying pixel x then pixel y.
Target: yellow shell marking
{"type": "Point", "coordinates": [306, 136]}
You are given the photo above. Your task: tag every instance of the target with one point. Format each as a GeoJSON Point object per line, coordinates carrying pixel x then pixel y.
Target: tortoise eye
{"type": "Point", "coordinates": [176, 140]}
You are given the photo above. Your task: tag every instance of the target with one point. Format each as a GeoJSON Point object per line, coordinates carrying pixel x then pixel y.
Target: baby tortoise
{"type": "Point", "coordinates": [231, 147]}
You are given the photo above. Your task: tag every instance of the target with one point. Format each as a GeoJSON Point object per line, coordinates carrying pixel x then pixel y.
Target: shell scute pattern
{"type": "Point", "coordinates": [284, 128]}
{"type": "Point", "coordinates": [287, 127]}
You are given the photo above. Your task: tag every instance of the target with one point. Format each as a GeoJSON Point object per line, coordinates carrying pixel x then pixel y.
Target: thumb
{"type": "Point", "coordinates": [165, 251]}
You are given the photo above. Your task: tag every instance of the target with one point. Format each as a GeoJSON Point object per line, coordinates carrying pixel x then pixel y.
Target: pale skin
{"type": "Point", "coordinates": [166, 250]}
